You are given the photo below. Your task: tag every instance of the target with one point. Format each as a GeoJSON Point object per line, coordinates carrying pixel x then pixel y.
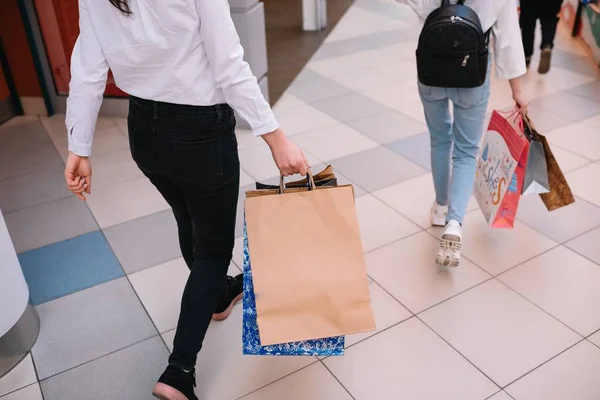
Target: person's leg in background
{"type": "Point", "coordinates": [470, 106]}
{"type": "Point", "coordinates": [528, 20]}
{"type": "Point", "coordinates": [549, 17]}
{"type": "Point", "coordinates": [439, 122]}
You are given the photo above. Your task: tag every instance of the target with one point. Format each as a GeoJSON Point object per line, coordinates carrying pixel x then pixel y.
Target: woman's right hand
{"type": "Point", "coordinates": [288, 157]}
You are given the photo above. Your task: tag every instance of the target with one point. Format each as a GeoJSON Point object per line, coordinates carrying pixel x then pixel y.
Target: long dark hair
{"type": "Point", "coordinates": [122, 5]}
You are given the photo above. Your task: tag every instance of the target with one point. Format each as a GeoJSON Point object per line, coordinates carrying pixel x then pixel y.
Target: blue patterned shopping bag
{"type": "Point", "coordinates": [333, 346]}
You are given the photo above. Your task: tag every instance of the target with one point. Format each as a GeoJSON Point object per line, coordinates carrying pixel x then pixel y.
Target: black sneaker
{"type": "Point", "coordinates": [176, 384]}
{"type": "Point", "coordinates": [545, 60]}
{"type": "Point", "coordinates": [235, 288]}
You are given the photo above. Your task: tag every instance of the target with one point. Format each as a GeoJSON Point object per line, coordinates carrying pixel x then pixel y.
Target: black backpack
{"type": "Point", "coordinates": [453, 49]}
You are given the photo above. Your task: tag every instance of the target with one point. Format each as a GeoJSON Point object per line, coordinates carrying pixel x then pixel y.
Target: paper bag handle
{"type": "Point", "coordinates": [310, 182]}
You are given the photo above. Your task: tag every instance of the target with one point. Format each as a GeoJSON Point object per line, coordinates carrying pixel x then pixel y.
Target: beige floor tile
{"type": "Point", "coordinates": [407, 270]}
{"type": "Point", "coordinates": [413, 199]}
{"type": "Point", "coordinates": [224, 373]}
{"type": "Point", "coordinates": [311, 383]}
{"type": "Point", "coordinates": [571, 375]}
{"type": "Point", "coordinates": [499, 331]}
{"type": "Point", "coordinates": [583, 182]}
{"type": "Point", "coordinates": [409, 361]}
{"type": "Point", "coordinates": [497, 250]}
{"type": "Point", "coordinates": [20, 376]}
{"type": "Point", "coordinates": [579, 139]}
{"type": "Point", "coordinates": [387, 310]}
{"type": "Point", "coordinates": [168, 280]}
{"type": "Point", "coordinates": [287, 101]}
{"type": "Point", "coordinates": [380, 224]}
{"type": "Point", "coordinates": [564, 284]}
{"type": "Point", "coordinates": [334, 142]}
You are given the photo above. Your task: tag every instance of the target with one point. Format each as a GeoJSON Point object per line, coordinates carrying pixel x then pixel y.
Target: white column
{"type": "Point", "coordinates": [314, 15]}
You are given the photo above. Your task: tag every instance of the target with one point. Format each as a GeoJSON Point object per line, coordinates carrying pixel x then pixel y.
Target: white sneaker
{"type": "Point", "coordinates": [450, 245]}
{"type": "Point", "coordinates": [438, 215]}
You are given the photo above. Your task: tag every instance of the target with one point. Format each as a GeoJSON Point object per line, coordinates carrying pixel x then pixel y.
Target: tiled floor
{"type": "Point", "coordinates": [517, 320]}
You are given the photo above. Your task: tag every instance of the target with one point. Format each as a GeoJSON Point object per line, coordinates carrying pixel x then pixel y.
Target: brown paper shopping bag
{"type": "Point", "coordinates": [309, 274]}
{"type": "Point", "coordinates": [560, 194]}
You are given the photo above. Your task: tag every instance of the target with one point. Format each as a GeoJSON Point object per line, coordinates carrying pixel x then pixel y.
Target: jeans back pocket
{"type": "Point", "coordinates": [200, 162]}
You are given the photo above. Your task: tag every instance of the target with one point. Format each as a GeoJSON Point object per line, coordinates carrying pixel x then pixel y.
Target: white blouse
{"type": "Point", "coordinates": [175, 51]}
{"type": "Point", "coordinates": [499, 15]}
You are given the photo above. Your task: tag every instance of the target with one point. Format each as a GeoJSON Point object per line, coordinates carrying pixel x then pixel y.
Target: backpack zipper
{"type": "Point", "coordinates": [454, 19]}
{"type": "Point", "coordinates": [466, 60]}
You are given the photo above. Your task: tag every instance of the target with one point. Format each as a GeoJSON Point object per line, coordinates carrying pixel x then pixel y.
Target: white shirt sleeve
{"type": "Point", "coordinates": [232, 73]}
{"type": "Point", "coordinates": [89, 70]}
{"type": "Point", "coordinates": [508, 46]}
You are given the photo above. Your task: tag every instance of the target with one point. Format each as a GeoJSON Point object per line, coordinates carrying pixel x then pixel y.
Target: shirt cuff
{"type": "Point", "coordinates": [271, 126]}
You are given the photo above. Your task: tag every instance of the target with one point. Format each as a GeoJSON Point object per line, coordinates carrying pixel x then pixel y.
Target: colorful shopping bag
{"type": "Point", "coordinates": [501, 169]}
{"type": "Point", "coordinates": [333, 346]}
{"type": "Point", "coordinates": [308, 269]}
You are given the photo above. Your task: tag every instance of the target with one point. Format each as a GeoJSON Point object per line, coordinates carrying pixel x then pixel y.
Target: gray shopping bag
{"type": "Point", "coordinates": [536, 172]}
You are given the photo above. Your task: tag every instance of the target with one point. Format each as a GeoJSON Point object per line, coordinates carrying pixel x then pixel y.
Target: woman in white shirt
{"type": "Point", "coordinates": [455, 141]}
{"type": "Point", "coordinates": [182, 65]}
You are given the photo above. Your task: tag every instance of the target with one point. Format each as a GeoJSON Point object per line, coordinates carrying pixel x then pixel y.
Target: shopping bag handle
{"type": "Point", "coordinates": [310, 182]}
{"type": "Point", "coordinates": [530, 128]}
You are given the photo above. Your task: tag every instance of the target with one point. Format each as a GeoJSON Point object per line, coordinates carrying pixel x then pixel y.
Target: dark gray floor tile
{"type": "Point", "coordinates": [15, 162]}
{"type": "Point", "coordinates": [128, 374]}
{"type": "Point", "coordinates": [588, 245]}
{"type": "Point", "coordinates": [559, 225]}
{"type": "Point", "coordinates": [591, 91]}
{"type": "Point", "coordinates": [581, 65]}
{"type": "Point", "coordinates": [89, 324]}
{"type": "Point", "coordinates": [568, 105]}
{"type": "Point", "coordinates": [350, 107]}
{"type": "Point", "coordinates": [416, 149]}
{"type": "Point", "coordinates": [316, 88]}
{"type": "Point", "coordinates": [22, 136]}
{"type": "Point", "coordinates": [388, 126]}
{"type": "Point", "coordinates": [145, 242]}
{"type": "Point", "coordinates": [377, 168]}
{"type": "Point", "coordinates": [49, 223]}
{"type": "Point", "coordinates": [33, 189]}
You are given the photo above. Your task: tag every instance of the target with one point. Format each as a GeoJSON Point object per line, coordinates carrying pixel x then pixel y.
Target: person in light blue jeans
{"type": "Point", "coordinates": [455, 141]}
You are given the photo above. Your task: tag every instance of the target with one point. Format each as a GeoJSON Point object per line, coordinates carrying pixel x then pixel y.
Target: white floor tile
{"type": "Point", "coordinates": [593, 122]}
{"type": "Point", "coordinates": [399, 97]}
{"type": "Point", "coordinates": [311, 383]}
{"type": "Point", "coordinates": [409, 361]}
{"type": "Point", "coordinates": [579, 139]}
{"type": "Point", "coordinates": [334, 142]}
{"type": "Point", "coordinates": [583, 183]}
{"type": "Point", "coordinates": [413, 199]}
{"type": "Point", "coordinates": [564, 284]}
{"type": "Point", "coordinates": [388, 312]}
{"type": "Point", "coordinates": [303, 118]}
{"type": "Point", "coordinates": [500, 396]}
{"type": "Point", "coordinates": [224, 373]}
{"type": "Point", "coordinates": [125, 201]}
{"type": "Point", "coordinates": [595, 338]}
{"type": "Point", "coordinates": [567, 160]}
{"type": "Point", "coordinates": [415, 110]}
{"type": "Point", "coordinates": [32, 392]}
{"type": "Point", "coordinates": [160, 288]}
{"type": "Point", "coordinates": [287, 101]}
{"type": "Point", "coordinates": [362, 81]}
{"type": "Point", "coordinates": [245, 179]}
{"type": "Point", "coordinates": [258, 162]}
{"type": "Point", "coordinates": [114, 168]}
{"type": "Point", "coordinates": [247, 139]}
{"type": "Point", "coordinates": [333, 67]}
{"type": "Point", "coordinates": [499, 331]}
{"type": "Point", "coordinates": [380, 224]}
{"type": "Point", "coordinates": [407, 270]}
{"type": "Point", "coordinates": [20, 376]}
{"type": "Point", "coordinates": [571, 375]}
{"type": "Point", "coordinates": [497, 250]}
